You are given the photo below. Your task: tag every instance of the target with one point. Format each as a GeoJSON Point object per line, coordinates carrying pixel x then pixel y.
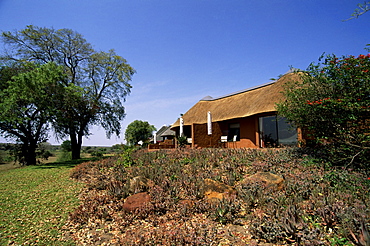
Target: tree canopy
{"type": "Point", "coordinates": [331, 103]}
{"type": "Point", "coordinates": [138, 131]}
{"type": "Point", "coordinates": [27, 104]}
{"type": "Point", "coordinates": [97, 82]}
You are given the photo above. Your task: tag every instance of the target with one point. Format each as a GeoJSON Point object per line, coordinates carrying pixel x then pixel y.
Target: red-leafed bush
{"type": "Point", "coordinates": [331, 103]}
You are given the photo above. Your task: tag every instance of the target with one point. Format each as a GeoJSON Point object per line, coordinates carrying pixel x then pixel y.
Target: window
{"type": "Point", "coordinates": [234, 132]}
{"type": "Point", "coordinates": [276, 131]}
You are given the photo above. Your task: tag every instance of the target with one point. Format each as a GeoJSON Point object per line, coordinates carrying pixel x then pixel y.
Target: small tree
{"type": "Point", "coordinates": [331, 103]}
{"type": "Point", "coordinates": [138, 131]}
{"type": "Point", "coordinates": [182, 141]}
{"type": "Point", "coordinates": [66, 146]}
{"type": "Point", "coordinates": [43, 150]}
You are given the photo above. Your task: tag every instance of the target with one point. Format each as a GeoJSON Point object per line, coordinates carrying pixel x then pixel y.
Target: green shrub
{"type": "Point", "coordinates": [64, 156]}
{"type": "Point", "coordinates": [66, 146]}
{"type": "Point", "coordinates": [97, 153]}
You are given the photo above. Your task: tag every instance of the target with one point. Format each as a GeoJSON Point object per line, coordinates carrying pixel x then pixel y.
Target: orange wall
{"type": "Point", "coordinates": [248, 134]}
{"type": "Point", "coordinates": [202, 139]}
{"type": "Point", "coordinates": [243, 143]}
{"type": "Point", "coordinates": [249, 131]}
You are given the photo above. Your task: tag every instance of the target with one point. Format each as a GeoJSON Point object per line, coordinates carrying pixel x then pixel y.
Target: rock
{"type": "Point", "coordinates": [270, 180]}
{"type": "Point", "coordinates": [137, 201]}
{"type": "Point", "coordinates": [215, 191]}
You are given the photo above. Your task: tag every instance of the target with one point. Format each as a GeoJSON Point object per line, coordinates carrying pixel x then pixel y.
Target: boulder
{"type": "Point", "coordinates": [270, 180]}
{"type": "Point", "coordinates": [214, 190]}
{"type": "Point", "coordinates": [136, 201]}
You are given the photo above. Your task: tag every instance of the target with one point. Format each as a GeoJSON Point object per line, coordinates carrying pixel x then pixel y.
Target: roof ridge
{"type": "Point", "coordinates": [209, 98]}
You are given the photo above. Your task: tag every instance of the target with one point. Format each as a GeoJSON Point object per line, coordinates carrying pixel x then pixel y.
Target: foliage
{"type": "Point", "coordinates": [361, 9]}
{"type": "Point", "coordinates": [43, 151]}
{"type": "Point", "coordinates": [125, 158]}
{"type": "Point", "coordinates": [27, 104]}
{"type": "Point", "coordinates": [118, 147]}
{"type": "Point", "coordinates": [66, 146]}
{"type": "Point", "coordinates": [35, 202]}
{"type": "Point", "coordinates": [331, 104]}
{"type": "Point", "coordinates": [317, 206]}
{"type": "Point", "coordinates": [5, 152]}
{"type": "Point", "coordinates": [182, 140]}
{"type": "Point", "coordinates": [2, 156]}
{"type": "Point", "coordinates": [97, 84]}
{"type": "Point", "coordinates": [98, 153]}
{"type": "Point", "coordinates": [64, 156]}
{"type": "Point", "coordinates": [138, 131]}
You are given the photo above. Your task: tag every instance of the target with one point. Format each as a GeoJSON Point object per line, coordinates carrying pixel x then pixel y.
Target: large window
{"type": "Point", "coordinates": [276, 131]}
{"type": "Point", "coordinates": [234, 132]}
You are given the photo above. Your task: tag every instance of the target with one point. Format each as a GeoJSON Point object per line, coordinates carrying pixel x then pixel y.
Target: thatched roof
{"type": "Point", "coordinates": [168, 132]}
{"type": "Point", "coordinates": [241, 104]}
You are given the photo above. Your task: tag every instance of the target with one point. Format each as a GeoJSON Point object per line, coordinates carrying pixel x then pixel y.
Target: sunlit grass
{"type": "Point", "coordinates": [35, 202]}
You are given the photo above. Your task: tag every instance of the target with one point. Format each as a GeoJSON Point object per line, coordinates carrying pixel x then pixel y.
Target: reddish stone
{"type": "Point", "coordinates": [136, 201]}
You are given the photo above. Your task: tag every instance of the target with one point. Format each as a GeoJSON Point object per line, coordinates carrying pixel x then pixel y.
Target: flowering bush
{"type": "Point", "coordinates": [331, 103]}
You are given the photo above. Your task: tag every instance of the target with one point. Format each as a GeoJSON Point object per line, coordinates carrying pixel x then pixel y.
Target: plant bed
{"type": "Point", "coordinates": [212, 197]}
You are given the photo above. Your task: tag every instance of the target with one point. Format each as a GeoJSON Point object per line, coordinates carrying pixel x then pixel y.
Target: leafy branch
{"type": "Point", "coordinates": [362, 9]}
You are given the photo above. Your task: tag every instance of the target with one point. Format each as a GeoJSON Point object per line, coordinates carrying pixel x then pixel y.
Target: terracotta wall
{"type": "Point", "coordinates": [202, 139]}
{"type": "Point", "coordinates": [248, 134]}
{"type": "Point", "coordinates": [243, 143]}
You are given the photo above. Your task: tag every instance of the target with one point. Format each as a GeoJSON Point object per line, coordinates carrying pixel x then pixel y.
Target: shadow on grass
{"type": "Point", "coordinates": [67, 164]}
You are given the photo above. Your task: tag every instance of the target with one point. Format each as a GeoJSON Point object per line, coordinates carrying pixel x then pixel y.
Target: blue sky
{"type": "Point", "coordinates": [185, 50]}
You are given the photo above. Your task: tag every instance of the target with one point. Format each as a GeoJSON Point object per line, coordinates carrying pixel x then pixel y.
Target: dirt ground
{"type": "Point", "coordinates": [7, 166]}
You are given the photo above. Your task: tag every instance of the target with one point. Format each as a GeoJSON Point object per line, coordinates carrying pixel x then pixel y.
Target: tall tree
{"type": "Point", "coordinates": [138, 131]}
{"type": "Point", "coordinates": [27, 105]}
{"type": "Point", "coordinates": [101, 78]}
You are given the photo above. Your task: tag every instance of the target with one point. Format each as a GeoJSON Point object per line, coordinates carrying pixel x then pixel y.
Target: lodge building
{"type": "Point", "coordinates": [244, 119]}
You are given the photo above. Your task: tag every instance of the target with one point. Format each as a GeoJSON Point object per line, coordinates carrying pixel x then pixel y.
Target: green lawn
{"type": "Point", "coordinates": [35, 202]}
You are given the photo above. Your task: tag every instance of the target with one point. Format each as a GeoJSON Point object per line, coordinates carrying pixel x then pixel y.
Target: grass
{"type": "Point", "coordinates": [35, 203]}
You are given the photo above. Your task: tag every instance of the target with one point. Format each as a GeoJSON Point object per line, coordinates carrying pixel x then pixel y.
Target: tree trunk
{"type": "Point", "coordinates": [32, 155]}
{"type": "Point", "coordinates": [29, 153]}
{"type": "Point", "coordinates": [75, 145]}
{"type": "Point", "coordinates": [76, 139]}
